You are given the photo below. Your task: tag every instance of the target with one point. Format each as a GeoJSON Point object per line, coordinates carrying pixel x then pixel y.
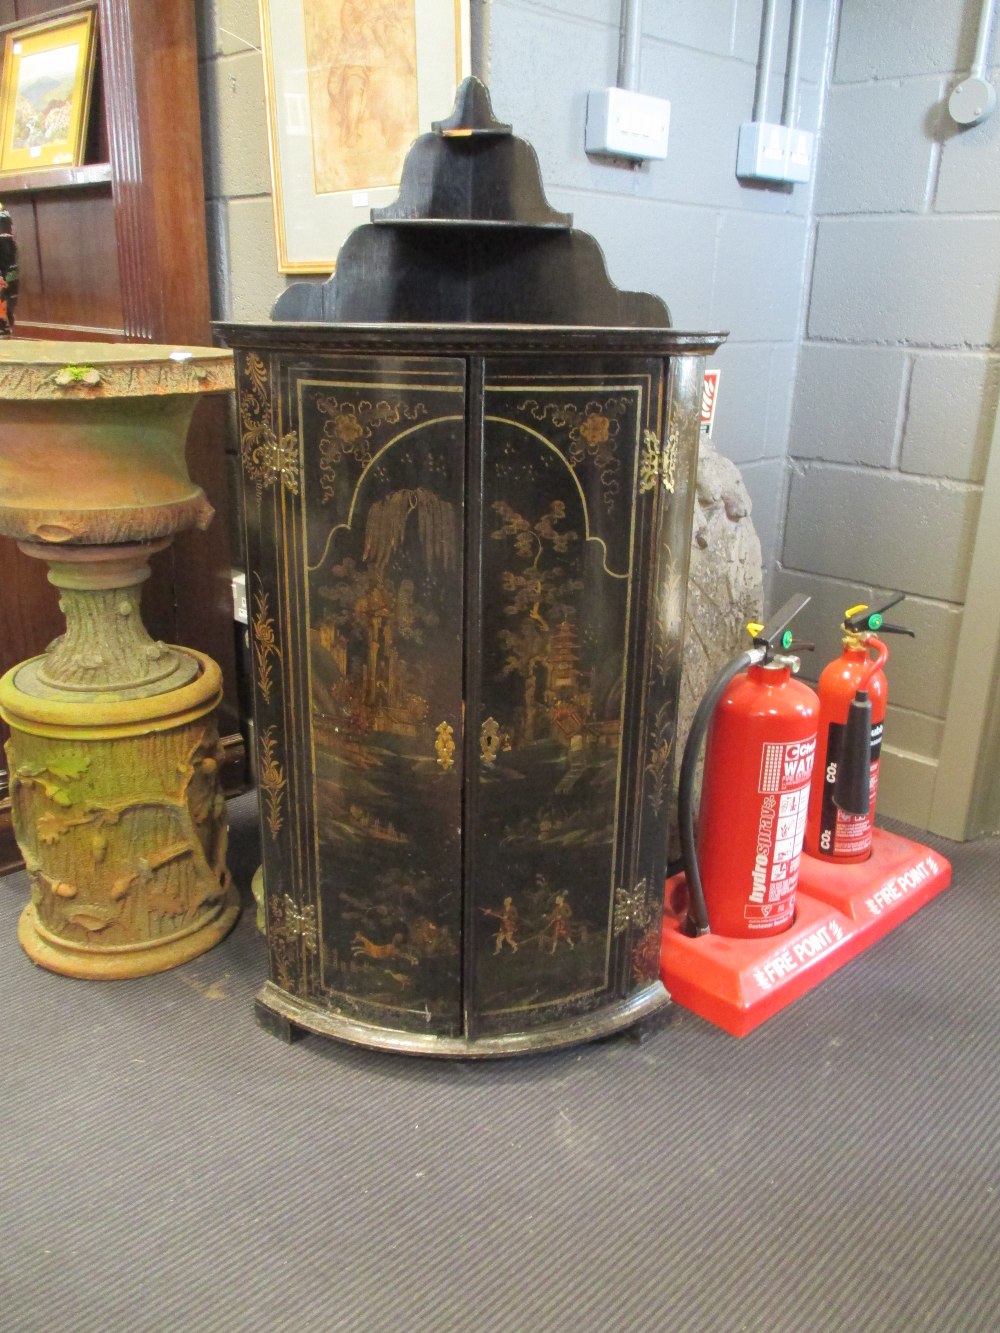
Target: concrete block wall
{"type": "Point", "coordinates": [897, 382]}
{"type": "Point", "coordinates": [242, 252]}
{"type": "Point", "coordinates": [723, 255]}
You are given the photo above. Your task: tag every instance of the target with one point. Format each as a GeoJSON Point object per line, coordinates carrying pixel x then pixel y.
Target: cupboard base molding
{"type": "Point", "coordinates": [283, 1015]}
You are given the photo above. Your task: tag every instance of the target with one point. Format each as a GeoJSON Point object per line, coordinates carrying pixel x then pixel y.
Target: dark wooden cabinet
{"type": "Point", "coordinates": [467, 550]}
{"type": "Point", "coordinates": [466, 595]}
{"type": "Point", "coordinates": [115, 250]}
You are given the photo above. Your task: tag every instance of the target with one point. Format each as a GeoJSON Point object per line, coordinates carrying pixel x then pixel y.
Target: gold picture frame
{"type": "Point", "coordinates": [349, 84]}
{"type": "Point", "coordinates": [45, 87]}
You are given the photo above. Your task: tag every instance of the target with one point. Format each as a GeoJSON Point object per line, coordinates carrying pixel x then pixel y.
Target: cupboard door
{"type": "Point", "coordinates": [556, 682]}
{"type": "Point", "coordinates": [369, 577]}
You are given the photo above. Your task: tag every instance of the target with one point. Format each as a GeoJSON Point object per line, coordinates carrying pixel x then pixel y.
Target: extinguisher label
{"type": "Point", "coordinates": [786, 766]}
{"type": "Point", "coordinates": [785, 770]}
{"type": "Point", "coordinates": [841, 834]}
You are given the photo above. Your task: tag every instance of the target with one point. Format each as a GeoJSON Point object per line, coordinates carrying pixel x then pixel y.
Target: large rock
{"type": "Point", "coordinates": [725, 590]}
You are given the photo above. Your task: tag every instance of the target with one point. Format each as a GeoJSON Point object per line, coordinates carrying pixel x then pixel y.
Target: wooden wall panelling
{"type": "Point", "coordinates": [79, 265]}
{"type": "Point", "coordinates": [29, 607]}
{"type": "Point", "coordinates": [154, 146]}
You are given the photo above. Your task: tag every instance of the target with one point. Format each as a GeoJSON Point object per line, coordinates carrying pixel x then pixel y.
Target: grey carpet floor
{"type": "Point", "coordinates": [168, 1166]}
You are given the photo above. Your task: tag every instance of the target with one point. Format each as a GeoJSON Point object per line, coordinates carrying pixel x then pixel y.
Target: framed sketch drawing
{"type": "Point", "coordinates": [350, 84]}
{"type": "Point", "coordinates": [48, 70]}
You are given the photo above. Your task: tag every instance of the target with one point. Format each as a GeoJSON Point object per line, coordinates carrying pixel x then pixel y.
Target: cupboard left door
{"type": "Point", "coordinates": [354, 472]}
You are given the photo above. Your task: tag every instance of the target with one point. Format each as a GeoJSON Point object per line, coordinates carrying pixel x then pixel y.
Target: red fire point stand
{"type": "Point", "coordinates": [839, 910]}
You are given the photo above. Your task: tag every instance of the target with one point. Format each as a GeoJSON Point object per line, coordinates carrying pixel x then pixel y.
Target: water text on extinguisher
{"type": "Point", "coordinates": [786, 766]}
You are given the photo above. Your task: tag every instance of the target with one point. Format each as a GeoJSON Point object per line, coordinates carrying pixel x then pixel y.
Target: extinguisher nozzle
{"type": "Point", "coordinates": [851, 792]}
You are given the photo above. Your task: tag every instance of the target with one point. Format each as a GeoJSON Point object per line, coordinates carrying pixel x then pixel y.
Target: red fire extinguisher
{"type": "Point", "coordinates": [852, 698]}
{"type": "Point", "coordinates": [742, 867]}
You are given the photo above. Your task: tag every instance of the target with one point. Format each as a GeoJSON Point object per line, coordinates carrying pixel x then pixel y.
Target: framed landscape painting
{"type": "Point", "coordinates": [350, 84]}
{"type": "Point", "coordinates": [48, 70]}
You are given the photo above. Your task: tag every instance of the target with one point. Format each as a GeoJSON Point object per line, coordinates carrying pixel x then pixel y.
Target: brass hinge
{"type": "Point", "coordinates": [291, 923]}
{"type": "Point", "coordinates": [632, 907]}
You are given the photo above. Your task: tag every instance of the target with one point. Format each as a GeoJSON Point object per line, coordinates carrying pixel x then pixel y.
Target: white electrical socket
{"type": "Point", "coordinates": [626, 124]}
{"type": "Point", "coordinates": [761, 152]}
{"type": "Point", "coordinates": [771, 152]}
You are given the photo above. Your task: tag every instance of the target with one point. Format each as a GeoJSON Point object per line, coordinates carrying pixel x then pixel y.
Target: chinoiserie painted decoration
{"type": "Point", "coordinates": [468, 464]}
{"type": "Point", "coordinates": [113, 754]}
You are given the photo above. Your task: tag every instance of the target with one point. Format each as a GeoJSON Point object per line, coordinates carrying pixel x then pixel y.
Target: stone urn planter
{"type": "Point", "coordinates": [113, 756]}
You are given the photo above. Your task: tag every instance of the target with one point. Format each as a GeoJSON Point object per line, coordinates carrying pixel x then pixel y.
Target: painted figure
{"type": "Point", "coordinates": [507, 934]}
{"type": "Point", "coordinates": [556, 926]}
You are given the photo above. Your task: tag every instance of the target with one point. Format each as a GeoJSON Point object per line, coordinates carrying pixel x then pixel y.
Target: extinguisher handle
{"type": "Point", "coordinates": [775, 636]}
{"type": "Point", "coordinates": [697, 922]}
{"type": "Point", "coordinates": [886, 628]}
{"type": "Point", "coordinates": [857, 619]}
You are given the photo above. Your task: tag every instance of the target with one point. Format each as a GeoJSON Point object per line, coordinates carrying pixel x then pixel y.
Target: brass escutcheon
{"type": "Point", "coordinates": [489, 740]}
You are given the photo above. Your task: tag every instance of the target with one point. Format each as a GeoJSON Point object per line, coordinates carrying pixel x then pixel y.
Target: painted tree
{"type": "Point", "coordinates": [371, 612]}
{"type": "Point", "coordinates": [540, 593]}
{"type": "Point", "coordinates": [388, 520]}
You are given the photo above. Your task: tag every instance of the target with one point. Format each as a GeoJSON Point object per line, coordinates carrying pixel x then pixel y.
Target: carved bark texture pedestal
{"type": "Point", "coordinates": [114, 754]}
{"type": "Point", "coordinates": [469, 466]}
{"type": "Point", "coordinates": [122, 826]}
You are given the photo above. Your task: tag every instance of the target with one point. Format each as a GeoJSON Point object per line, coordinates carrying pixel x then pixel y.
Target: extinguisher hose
{"type": "Point", "coordinates": [697, 918]}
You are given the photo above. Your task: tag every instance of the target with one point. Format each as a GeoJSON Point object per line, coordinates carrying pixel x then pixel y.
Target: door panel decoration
{"type": "Point", "coordinates": [558, 500]}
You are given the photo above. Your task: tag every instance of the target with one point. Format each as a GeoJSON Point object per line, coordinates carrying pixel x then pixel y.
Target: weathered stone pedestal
{"type": "Point", "coordinates": [114, 754]}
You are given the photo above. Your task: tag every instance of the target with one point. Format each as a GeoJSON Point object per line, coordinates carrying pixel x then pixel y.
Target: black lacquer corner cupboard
{"type": "Point", "coordinates": [468, 464]}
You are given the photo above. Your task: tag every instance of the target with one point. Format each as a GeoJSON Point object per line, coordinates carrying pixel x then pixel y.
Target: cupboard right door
{"type": "Point", "coordinates": [555, 685]}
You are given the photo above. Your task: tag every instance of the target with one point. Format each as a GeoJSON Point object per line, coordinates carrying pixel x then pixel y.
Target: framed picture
{"type": "Point", "coordinates": [349, 85]}
{"type": "Point", "coordinates": [48, 71]}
